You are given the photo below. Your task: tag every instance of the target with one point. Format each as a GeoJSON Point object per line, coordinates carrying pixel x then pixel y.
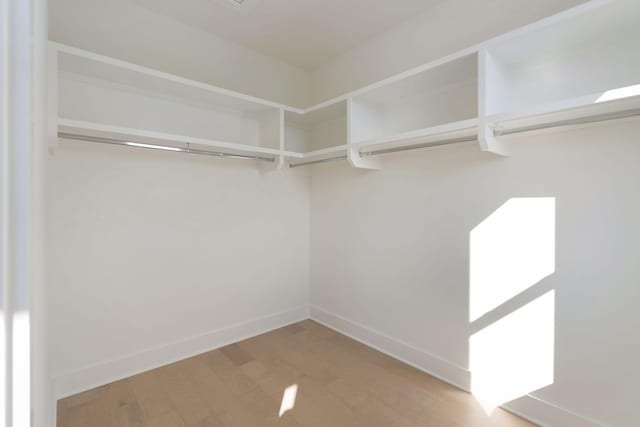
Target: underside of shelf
{"type": "Point", "coordinates": [597, 107]}
{"type": "Point", "coordinates": [463, 128]}
{"type": "Point", "coordinates": [318, 156]}
{"type": "Point", "coordinates": [81, 128]}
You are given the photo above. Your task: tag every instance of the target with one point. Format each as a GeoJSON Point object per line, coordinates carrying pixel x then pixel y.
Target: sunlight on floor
{"type": "Point", "coordinates": [288, 399]}
{"type": "Point", "coordinates": [511, 250]}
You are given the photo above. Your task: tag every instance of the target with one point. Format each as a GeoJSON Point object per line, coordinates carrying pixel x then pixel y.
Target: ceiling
{"type": "Point", "coordinates": [305, 33]}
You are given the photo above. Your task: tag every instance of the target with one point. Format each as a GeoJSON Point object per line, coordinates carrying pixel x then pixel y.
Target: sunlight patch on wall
{"type": "Point", "coordinates": [511, 250]}
{"type": "Point", "coordinates": [515, 355]}
{"type": "Point", "coordinates": [3, 350]}
{"type": "Point", "coordinates": [623, 92]}
{"type": "Point", "coordinates": [21, 394]}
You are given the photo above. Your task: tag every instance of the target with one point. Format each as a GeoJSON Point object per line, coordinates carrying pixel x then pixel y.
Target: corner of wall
{"type": "Point", "coordinates": [529, 407]}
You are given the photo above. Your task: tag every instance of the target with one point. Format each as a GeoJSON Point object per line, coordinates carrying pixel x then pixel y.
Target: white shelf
{"type": "Point", "coordinates": [325, 152]}
{"type": "Point", "coordinates": [106, 69]}
{"type": "Point", "coordinates": [459, 129]}
{"type": "Point", "coordinates": [152, 137]}
{"type": "Point", "coordinates": [580, 63]}
{"type": "Point", "coordinates": [444, 94]}
{"type": "Point", "coordinates": [101, 96]}
{"type": "Point", "coordinates": [318, 156]}
{"type": "Point", "coordinates": [610, 102]}
{"type": "Point", "coordinates": [590, 51]}
{"type": "Point", "coordinates": [313, 133]}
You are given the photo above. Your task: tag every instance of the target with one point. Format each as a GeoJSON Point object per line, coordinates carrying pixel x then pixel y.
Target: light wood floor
{"type": "Point", "coordinates": [340, 383]}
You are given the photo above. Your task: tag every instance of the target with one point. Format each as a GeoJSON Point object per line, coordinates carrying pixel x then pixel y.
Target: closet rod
{"type": "Point", "coordinates": [418, 146]}
{"type": "Point", "coordinates": [392, 150]}
{"type": "Point", "coordinates": [313, 162]}
{"type": "Point", "coordinates": [578, 121]}
{"type": "Point", "coordinates": [187, 149]}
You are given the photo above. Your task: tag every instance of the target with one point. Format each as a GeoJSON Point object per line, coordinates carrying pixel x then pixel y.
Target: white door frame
{"type": "Point", "coordinates": [24, 383]}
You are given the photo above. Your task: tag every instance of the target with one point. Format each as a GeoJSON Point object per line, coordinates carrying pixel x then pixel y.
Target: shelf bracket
{"type": "Point", "coordinates": [353, 153]}
{"type": "Point", "coordinates": [277, 165]}
{"type": "Point", "coordinates": [357, 161]}
{"type": "Point", "coordinates": [489, 143]}
{"type": "Point", "coordinates": [272, 129]}
{"type": "Point", "coordinates": [489, 84]}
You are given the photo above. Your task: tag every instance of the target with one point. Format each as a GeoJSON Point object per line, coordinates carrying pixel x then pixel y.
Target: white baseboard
{"type": "Point", "coordinates": [112, 370]}
{"type": "Point", "coordinates": [529, 407]}
{"type": "Point", "coordinates": [420, 359]}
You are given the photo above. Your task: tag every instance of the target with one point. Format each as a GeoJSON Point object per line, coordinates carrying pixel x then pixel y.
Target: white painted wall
{"type": "Point", "coordinates": [390, 251]}
{"type": "Point", "coordinates": [446, 27]}
{"type": "Point", "coordinates": [125, 30]}
{"type": "Point", "coordinates": [151, 248]}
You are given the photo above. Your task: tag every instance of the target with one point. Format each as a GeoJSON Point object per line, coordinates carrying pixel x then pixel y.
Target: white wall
{"type": "Point", "coordinates": [390, 251]}
{"type": "Point", "coordinates": [127, 31]}
{"type": "Point", "coordinates": [444, 28]}
{"type": "Point", "coordinates": [151, 248]}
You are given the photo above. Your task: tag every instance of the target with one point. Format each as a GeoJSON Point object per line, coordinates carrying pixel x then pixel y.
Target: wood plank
{"type": "Point", "coordinates": [236, 354]}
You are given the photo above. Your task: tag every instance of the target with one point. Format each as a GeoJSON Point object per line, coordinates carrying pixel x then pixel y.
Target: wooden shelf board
{"type": "Point", "coordinates": [449, 130]}
{"type": "Point", "coordinates": [145, 136]}
{"type": "Point", "coordinates": [318, 154]}
{"type": "Point", "coordinates": [325, 151]}
{"type": "Point", "coordinates": [579, 107]}
{"type": "Point", "coordinates": [77, 61]}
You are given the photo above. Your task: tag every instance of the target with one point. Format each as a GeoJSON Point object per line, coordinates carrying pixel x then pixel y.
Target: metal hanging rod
{"type": "Point", "coordinates": [187, 149]}
{"type": "Point", "coordinates": [497, 132]}
{"type": "Point", "coordinates": [313, 162]}
{"type": "Point", "coordinates": [569, 122]}
{"type": "Point", "coordinates": [418, 146]}
{"type": "Point", "coordinates": [391, 150]}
